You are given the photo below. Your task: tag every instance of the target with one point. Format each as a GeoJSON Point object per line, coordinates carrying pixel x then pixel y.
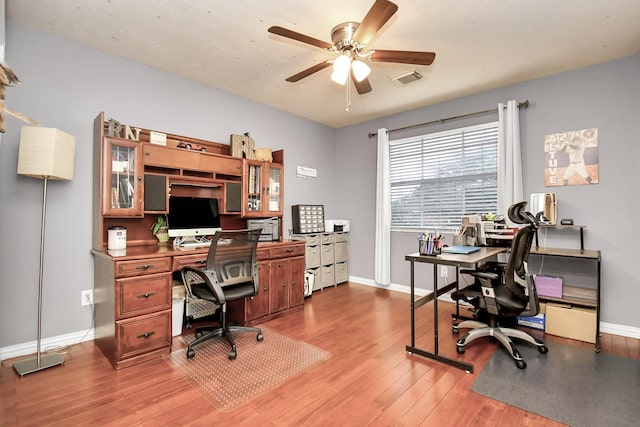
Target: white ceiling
{"type": "Point", "coordinates": [479, 44]}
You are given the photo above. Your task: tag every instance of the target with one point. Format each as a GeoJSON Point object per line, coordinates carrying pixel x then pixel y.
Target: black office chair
{"type": "Point", "coordinates": [502, 292]}
{"type": "Point", "coordinates": [231, 274]}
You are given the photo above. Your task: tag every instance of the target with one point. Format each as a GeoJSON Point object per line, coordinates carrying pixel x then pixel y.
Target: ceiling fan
{"type": "Point", "coordinates": [349, 39]}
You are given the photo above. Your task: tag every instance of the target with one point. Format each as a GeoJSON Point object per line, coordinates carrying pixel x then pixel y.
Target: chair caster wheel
{"type": "Point", "coordinates": [191, 353]}
{"type": "Point", "coordinates": [521, 364]}
{"type": "Point", "coordinates": [455, 330]}
{"type": "Point", "coordinates": [260, 337]}
{"type": "Point", "coordinates": [460, 349]}
{"type": "Point", "coordinates": [198, 334]}
{"type": "Point", "coordinates": [543, 349]}
{"type": "Point", "coordinates": [232, 355]}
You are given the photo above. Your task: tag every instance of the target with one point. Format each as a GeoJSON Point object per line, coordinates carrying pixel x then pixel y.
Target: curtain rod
{"type": "Point", "coordinates": [523, 104]}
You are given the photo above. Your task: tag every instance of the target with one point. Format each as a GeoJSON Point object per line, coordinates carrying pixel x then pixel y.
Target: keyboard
{"type": "Point", "coordinates": [195, 244]}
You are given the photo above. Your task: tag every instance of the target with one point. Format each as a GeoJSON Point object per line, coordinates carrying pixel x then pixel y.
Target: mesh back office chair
{"type": "Point", "coordinates": [231, 274]}
{"type": "Point", "coordinates": [503, 292]}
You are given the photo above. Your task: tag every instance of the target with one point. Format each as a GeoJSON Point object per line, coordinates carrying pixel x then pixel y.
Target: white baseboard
{"type": "Point", "coordinates": [607, 328]}
{"type": "Point", "coordinates": [625, 331]}
{"type": "Point", "coordinates": [47, 344]}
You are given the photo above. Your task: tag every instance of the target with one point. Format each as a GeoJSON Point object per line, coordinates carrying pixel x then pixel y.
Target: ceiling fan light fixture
{"type": "Point", "coordinates": [341, 67]}
{"type": "Point", "coordinates": [360, 70]}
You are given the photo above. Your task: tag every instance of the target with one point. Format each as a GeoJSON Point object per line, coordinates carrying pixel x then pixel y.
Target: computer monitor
{"type": "Point", "coordinates": [193, 218]}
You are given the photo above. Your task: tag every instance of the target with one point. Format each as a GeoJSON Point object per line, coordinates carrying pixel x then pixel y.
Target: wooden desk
{"type": "Point", "coordinates": [132, 288]}
{"type": "Point", "coordinates": [465, 261]}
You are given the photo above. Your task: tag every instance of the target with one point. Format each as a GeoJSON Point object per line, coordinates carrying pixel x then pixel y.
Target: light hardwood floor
{"type": "Point", "coordinates": [369, 379]}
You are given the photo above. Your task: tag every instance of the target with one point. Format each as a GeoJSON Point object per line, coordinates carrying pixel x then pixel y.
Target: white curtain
{"type": "Point", "coordinates": [509, 158]}
{"type": "Point", "coordinates": [383, 212]}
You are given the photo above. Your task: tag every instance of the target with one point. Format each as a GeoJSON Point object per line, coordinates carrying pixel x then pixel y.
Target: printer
{"type": "Point", "coordinates": [337, 225]}
{"type": "Point", "coordinates": [270, 228]}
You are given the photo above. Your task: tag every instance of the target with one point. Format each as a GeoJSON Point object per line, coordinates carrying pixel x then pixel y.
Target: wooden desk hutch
{"type": "Point", "coordinates": [133, 180]}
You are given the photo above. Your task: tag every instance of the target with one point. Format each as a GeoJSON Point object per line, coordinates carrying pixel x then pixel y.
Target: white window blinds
{"type": "Point", "coordinates": [436, 178]}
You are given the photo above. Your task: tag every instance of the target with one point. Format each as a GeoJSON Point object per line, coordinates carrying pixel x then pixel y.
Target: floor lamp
{"type": "Point", "coordinates": [45, 153]}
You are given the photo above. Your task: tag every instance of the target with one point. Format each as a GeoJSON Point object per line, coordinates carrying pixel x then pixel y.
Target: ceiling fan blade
{"type": "Point", "coordinates": [403, 56]}
{"type": "Point", "coordinates": [299, 37]}
{"type": "Point", "coordinates": [363, 86]}
{"type": "Point", "coordinates": [378, 15]}
{"type": "Point", "coordinates": [305, 73]}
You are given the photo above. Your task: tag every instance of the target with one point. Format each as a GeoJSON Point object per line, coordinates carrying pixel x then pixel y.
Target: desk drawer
{"type": "Point", "coordinates": [142, 295]}
{"type": "Point", "coordinates": [198, 261]}
{"type": "Point", "coordinates": [287, 251]}
{"type": "Point", "coordinates": [142, 266]}
{"type": "Point", "coordinates": [143, 334]}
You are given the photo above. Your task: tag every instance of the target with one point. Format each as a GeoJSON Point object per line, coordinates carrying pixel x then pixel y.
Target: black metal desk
{"type": "Point", "coordinates": [465, 261]}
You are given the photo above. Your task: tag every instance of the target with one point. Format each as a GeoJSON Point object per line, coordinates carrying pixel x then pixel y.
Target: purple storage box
{"type": "Point", "coordinates": [549, 286]}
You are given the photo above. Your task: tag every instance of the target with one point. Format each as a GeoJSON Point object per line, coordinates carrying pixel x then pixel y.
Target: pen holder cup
{"type": "Point", "coordinates": [425, 249]}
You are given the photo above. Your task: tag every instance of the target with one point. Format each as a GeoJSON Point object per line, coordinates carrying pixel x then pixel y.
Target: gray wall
{"type": "Point", "coordinates": [605, 96]}
{"type": "Point", "coordinates": [66, 85]}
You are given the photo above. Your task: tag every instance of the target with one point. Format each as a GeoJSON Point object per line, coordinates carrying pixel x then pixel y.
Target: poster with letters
{"type": "Point", "coordinates": [571, 158]}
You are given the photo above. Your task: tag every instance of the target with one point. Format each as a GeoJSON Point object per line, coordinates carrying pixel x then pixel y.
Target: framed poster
{"type": "Point", "coordinates": [571, 158]}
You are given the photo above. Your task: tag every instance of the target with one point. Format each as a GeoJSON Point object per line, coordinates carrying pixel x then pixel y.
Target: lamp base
{"type": "Point", "coordinates": [29, 366]}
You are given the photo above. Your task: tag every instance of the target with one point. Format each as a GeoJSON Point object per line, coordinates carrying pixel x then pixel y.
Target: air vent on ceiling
{"type": "Point", "coordinates": [406, 78]}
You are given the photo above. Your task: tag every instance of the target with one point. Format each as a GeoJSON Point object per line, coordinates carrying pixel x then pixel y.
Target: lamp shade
{"type": "Point", "coordinates": [360, 70]}
{"type": "Point", "coordinates": [341, 66]}
{"type": "Point", "coordinates": [46, 152]}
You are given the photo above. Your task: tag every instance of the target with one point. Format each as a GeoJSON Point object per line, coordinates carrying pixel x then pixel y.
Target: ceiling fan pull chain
{"type": "Point", "coordinates": [348, 103]}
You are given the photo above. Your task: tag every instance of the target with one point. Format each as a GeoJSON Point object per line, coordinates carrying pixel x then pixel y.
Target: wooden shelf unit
{"type": "Point", "coordinates": [133, 307]}
{"type": "Point", "coordinates": [575, 294]}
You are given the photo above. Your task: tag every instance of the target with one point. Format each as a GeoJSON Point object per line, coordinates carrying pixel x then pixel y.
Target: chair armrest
{"type": "Point", "coordinates": [534, 303]}
{"type": "Point", "coordinates": [487, 275]}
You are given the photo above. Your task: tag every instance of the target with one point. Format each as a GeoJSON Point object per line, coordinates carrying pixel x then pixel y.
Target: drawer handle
{"type": "Point", "coordinates": [265, 289]}
{"type": "Point", "coordinates": [146, 295]}
{"type": "Point", "coordinates": [293, 284]}
{"type": "Point", "coordinates": [144, 267]}
{"type": "Point", "coordinates": [289, 250]}
{"type": "Point", "coordinates": [146, 335]}
{"type": "Point", "coordinates": [202, 261]}
{"type": "Point", "coordinates": [284, 285]}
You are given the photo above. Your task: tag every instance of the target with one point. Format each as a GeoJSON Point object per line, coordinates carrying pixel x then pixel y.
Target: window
{"type": "Point", "coordinates": [436, 178]}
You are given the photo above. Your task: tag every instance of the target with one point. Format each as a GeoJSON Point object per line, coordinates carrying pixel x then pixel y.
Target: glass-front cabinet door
{"type": "Point", "coordinates": [122, 179]}
{"type": "Point", "coordinates": [274, 193]}
{"type": "Point", "coordinates": [252, 196]}
{"type": "Point", "coordinates": [263, 189]}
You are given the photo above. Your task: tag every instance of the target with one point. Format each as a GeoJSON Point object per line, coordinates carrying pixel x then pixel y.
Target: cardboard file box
{"type": "Point", "coordinates": [549, 286]}
{"type": "Point", "coordinates": [535, 322]}
{"type": "Point", "coordinates": [571, 322]}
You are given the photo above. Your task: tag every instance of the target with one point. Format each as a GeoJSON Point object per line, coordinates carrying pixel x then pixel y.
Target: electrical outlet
{"type": "Point", "coordinates": [86, 297]}
{"type": "Point", "coordinates": [444, 272]}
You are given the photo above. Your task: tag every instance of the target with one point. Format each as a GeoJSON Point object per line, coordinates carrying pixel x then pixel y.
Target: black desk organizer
{"type": "Point", "coordinates": [307, 218]}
